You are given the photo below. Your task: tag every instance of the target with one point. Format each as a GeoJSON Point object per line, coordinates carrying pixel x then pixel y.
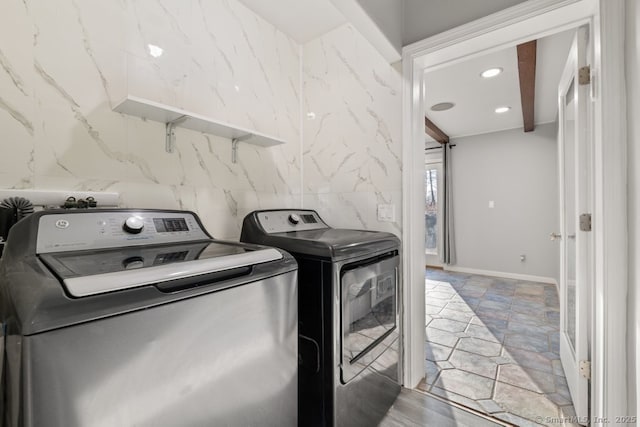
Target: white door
{"type": "Point", "coordinates": [575, 188]}
{"type": "Point", "coordinates": [433, 180]}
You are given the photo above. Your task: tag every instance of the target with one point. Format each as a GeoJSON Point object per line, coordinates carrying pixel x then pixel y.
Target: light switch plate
{"type": "Point", "coordinates": [492, 204]}
{"type": "Point", "coordinates": [386, 213]}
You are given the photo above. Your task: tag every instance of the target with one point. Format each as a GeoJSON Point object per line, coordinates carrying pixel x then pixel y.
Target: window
{"type": "Point", "coordinates": [431, 209]}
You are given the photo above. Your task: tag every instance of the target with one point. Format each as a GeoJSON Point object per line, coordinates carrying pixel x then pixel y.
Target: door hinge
{"type": "Point", "coordinates": [585, 369]}
{"type": "Point", "coordinates": [584, 75]}
{"type": "Point", "coordinates": [585, 222]}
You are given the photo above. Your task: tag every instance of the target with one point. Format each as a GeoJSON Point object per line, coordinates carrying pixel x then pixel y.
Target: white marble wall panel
{"type": "Point", "coordinates": [352, 141]}
{"type": "Point", "coordinates": [219, 60]}
{"type": "Point", "coordinates": [356, 209]}
{"type": "Point", "coordinates": [64, 64]}
{"type": "Point", "coordinates": [17, 109]}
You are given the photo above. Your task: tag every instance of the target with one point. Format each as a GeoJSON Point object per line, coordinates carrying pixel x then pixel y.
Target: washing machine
{"type": "Point", "coordinates": [348, 315]}
{"type": "Point", "coordinates": [139, 318]}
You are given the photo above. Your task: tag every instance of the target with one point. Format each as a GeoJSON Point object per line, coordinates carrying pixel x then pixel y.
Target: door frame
{"type": "Point", "coordinates": [535, 19]}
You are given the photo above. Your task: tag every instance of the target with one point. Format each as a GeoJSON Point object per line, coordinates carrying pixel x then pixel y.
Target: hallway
{"type": "Point", "coordinates": [493, 346]}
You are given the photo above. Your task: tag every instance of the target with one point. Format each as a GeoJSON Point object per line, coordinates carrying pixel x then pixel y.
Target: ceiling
{"type": "Point", "coordinates": [302, 20]}
{"type": "Point", "coordinates": [476, 98]}
{"type": "Point", "coordinates": [425, 18]}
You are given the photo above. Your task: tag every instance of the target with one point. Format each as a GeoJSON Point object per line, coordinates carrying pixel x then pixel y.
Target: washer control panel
{"type": "Point", "coordinates": [101, 230]}
{"type": "Point", "coordinates": [294, 220]}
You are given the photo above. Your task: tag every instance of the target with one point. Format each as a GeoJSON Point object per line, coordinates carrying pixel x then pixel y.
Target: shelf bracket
{"type": "Point", "coordinates": [170, 140]}
{"type": "Point", "coordinates": [234, 146]}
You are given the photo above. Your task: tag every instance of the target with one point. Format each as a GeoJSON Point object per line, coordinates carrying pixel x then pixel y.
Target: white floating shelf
{"type": "Point", "coordinates": [173, 117]}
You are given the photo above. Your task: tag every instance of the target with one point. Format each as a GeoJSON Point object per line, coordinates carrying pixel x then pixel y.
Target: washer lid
{"type": "Point", "coordinates": [94, 272]}
{"type": "Point", "coordinates": [303, 233]}
{"type": "Point", "coordinates": [332, 243]}
{"type": "Point", "coordinates": [334, 237]}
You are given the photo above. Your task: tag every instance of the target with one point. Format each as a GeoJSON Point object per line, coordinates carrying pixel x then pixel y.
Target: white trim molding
{"type": "Point", "coordinates": [512, 26]}
{"type": "Point", "coordinates": [502, 274]}
{"type": "Point", "coordinates": [413, 230]}
{"type": "Point", "coordinates": [526, 21]}
{"type": "Point", "coordinates": [609, 306]}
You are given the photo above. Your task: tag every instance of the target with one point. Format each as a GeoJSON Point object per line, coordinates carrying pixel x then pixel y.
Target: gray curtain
{"type": "Point", "coordinates": [448, 254]}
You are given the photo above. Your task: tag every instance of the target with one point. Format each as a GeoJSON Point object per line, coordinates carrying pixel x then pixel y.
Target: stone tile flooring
{"type": "Point", "coordinates": [493, 346]}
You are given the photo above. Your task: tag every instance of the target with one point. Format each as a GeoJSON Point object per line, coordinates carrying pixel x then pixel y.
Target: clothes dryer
{"type": "Point", "coordinates": [348, 315]}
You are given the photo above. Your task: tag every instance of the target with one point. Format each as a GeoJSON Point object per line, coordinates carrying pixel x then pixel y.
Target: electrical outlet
{"type": "Point", "coordinates": [492, 204]}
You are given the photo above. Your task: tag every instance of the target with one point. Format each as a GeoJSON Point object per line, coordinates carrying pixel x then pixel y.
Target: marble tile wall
{"type": "Point", "coordinates": [65, 64]}
{"type": "Point", "coordinates": [352, 118]}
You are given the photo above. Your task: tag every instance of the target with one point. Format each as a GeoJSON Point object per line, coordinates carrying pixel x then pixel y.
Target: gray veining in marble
{"type": "Point", "coordinates": [13, 75]}
{"type": "Point", "coordinates": [18, 116]}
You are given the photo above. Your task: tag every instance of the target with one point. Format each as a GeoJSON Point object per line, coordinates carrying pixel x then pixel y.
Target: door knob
{"type": "Point", "coordinates": [555, 236]}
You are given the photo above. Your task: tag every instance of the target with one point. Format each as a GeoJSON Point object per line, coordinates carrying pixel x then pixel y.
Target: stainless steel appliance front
{"type": "Point", "coordinates": [198, 345]}
{"type": "Point", "coordinates": [226, 358]}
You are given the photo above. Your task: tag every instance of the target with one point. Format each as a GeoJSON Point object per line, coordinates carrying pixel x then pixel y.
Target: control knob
{"type": "Point", "coordinates": [294, 219]}
{"type": "Point", "coordinates": [133, 225]}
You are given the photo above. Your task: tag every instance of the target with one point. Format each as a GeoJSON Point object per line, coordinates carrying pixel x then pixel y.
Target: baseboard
{"type": "Point", "coordinates": [501, 274]}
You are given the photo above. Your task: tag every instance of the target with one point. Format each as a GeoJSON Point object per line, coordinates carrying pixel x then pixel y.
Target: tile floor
{"type": "Point", "coordinates": [493, 346]}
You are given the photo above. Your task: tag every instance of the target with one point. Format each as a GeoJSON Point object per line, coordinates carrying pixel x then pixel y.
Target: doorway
{"type": "Point", "coordinates": [492, 317]}
{"type": "Point", "coordinates": [510, 27]}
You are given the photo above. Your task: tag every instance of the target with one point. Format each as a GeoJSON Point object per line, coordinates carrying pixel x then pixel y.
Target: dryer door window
{"type": "Point", "coordinates": [369, 312]}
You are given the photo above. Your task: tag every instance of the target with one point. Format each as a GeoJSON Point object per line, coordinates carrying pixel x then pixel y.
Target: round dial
{"type": "Point", "coordinates": [294, 219]}
{"type": "Point", "coordinates": [133, 225]}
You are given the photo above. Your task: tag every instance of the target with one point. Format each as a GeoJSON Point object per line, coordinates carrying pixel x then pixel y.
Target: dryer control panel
{"type": "Point", "coordinates": [97, 229]}
{"type": "Point", "coordinates": [283, 221]}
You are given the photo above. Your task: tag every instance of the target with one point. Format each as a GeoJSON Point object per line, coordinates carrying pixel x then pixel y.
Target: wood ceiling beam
{"type": "Point", "coordinates": [434, 131]}
{"type": "Point", "coordinates": [527, 73]}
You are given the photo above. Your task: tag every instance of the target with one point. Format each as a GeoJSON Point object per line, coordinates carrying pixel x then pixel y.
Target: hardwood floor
{"type": "Point", "coordinates": [413, 408]}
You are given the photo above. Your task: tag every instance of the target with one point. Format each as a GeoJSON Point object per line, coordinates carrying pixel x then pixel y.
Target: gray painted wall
{"type": "Point", "coordinates": [633, 159]}
{"type": "Point", "coordinates": [406, 21]}
{"type": "Point", "coordinates": [425, 18]}
{"type": "Point", "coordinates": [518, 171]}
{"type": "Point", "coordinates": [388, 16]}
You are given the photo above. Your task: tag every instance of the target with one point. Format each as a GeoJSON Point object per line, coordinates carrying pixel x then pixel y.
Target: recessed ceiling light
{"type": "Point", "coordinates": [491, 72]}
{"type": "Point", "coordinates": [501, 110]}
{"type": "Point", "coordinates": [443, 106]}
{"type": "Point", "coordinates": [155, 51]}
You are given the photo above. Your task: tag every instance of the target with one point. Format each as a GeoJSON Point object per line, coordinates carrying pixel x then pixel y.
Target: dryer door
{"type": "Point", "coordinates": [369, 311]}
